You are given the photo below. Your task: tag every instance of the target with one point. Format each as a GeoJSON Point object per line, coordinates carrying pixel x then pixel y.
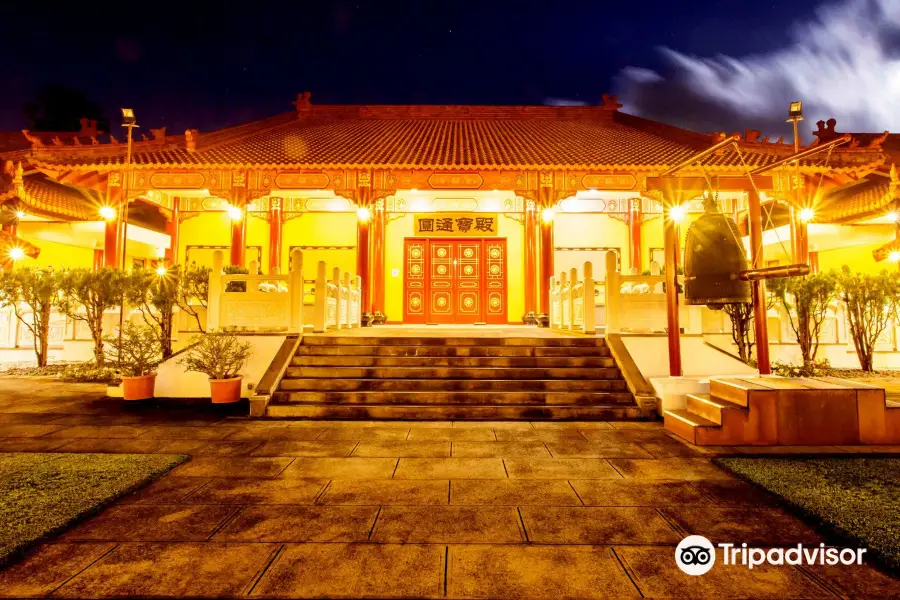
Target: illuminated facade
{"type": "Point", "coordinates": [451, 214]}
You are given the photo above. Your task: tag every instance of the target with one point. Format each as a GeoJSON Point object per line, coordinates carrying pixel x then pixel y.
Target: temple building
{"type": "Point", "coordinates": [450, 214]}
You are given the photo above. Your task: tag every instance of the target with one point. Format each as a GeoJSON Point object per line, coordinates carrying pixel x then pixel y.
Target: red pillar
{"type": "Point", "coordinates": [276, 227]}
{"type": "Point", "coordinates": [546, 263]}
{"type": "Point", "coordinates": [172, 226]}
{"type": "Point", "coordinates": [634, 229]}
{"type": "Point", "coordinates": [530, 263]}
{"type": "Point", "coordinates": [98, 259]}
{"type": "Point", "coordinates": [758, 288]}
{"type": "Point", "coordinates": [671, 249]}
{"type": "Point", "coordinates": [362, 264]}
{"type": "Point", "coordinates": [813, 262]}
{"type": "Point", "coordinates": [239, 230]}
{"type": "Point", "coordinates": [378, 280]}
{"type": "Point", "coordinates": [112, 234]}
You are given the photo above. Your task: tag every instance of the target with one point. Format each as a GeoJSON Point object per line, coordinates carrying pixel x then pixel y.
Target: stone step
{"type": "Point", "coordinates": [332, 372]}
{"type": "Point", "coordinates": [462, 398]}
{"type": "Point", "coordinates": [685, 424]}
{"type": "Point", "coordinates": [333, 340]}
{"type": "Point", "coordinates": [703, 405]}
{"type": "Point", "coordinates": [453, 385]}
{"type": "Point", "coordinates": [523, 362]}
{"type": "Point", "coordinates": [457, 412]}
{"type": "Point", "coordinates": [472, 351]}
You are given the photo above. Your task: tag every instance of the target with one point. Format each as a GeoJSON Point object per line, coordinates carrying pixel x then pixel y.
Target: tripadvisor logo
{"type": "Point", "coordinates": [696, 555]}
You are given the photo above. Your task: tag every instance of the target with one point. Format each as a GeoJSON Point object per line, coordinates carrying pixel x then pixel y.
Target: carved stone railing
{"type": "Point", "coordinates": [572, 301]}
{"type": "Point", "coordinates": [256, 302]}
{"type": "Point", "coordinates": [638, 302]}
{"type": "Point", "coordinates": [337, 300]}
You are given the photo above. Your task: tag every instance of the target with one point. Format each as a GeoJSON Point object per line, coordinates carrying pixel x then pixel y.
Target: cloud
{"type": "Point", "coordinates": [844, 62]}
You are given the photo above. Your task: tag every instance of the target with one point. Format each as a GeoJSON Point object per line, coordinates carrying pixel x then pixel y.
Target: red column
{"type": "Point", "coordinates": [378, 280]}
{"type": "Point", "coordinates": [671, 249]}
{"type": "Point", "coordinates": [758, 288]}
{"type": "Point", "coordinates": [239, 230]}
{"type": "Point", "coordinates": [98, 259]}
{"type": "Point", "coordinates": [634, 229]}
{"type": "Point", "coordinates": [362, 263]}
{"type": "Point", "coordinates": [172, 226]}
{"type": "Point", "coordinates": [530, 263]}
{"type": "Point", "coordinates": [112, 234]}
{"type": "Point", "coordinates": [546, 261]}
{"type": "Point", "coordinates": [276, 227]}
{"type": "Point", "coordinates": [813, 262]}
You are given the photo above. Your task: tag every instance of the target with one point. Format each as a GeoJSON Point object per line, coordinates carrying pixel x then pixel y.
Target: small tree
{"type": "Point", "coordinates": [806, 301]}
{"type": "Point", "coordinates": [157, 297]}
{"type": "Point", "coordinates": [871, 301]}
{"type": "Point", "coordinates": [218, 355]}
{"type": "Point", "coordinates": [138, 352]}
{"type": "Point", "coordinates": [37, 289]}
{"type": "Point", "coordinates": [741, 315]}
{"type": "Point", "coordinates": [194, 286]}
{"type": "Point", "coordinates": [97, 292]}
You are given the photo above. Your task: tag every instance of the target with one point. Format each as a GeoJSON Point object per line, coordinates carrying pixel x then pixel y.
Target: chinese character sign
{"type": "Point", "coordinates": [456, 224]}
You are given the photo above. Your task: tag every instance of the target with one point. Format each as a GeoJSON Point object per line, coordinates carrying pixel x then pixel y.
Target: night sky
{"type": "Point", "coordinates": [208, 65]}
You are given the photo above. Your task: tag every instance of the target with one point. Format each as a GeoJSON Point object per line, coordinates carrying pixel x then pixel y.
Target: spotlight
{"type": "Point", "coordinates": [547, 215]}
{"type": "Point", "coordinates": [677, 213]}
{"type": "Point", "coordinates": [161, 270]}
{"type": "Point", "coordinates": [108, 213]}
{"type": "Point", "coordinates": [893, 217]}
{"type": "Point", "coordinates": [235, 213]}
{"type": "Point", "coordinates": [16, 253]}
{"type": "Point", "coordinates": [363, 214]}
{"type": "Point", "coordinates": [806, 215]}
{"type": "Point", "coordinates": [894, 256]}
{"type": "Point", "coordinates": [20, 214]}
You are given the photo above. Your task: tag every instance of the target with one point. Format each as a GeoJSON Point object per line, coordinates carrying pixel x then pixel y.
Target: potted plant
{"type": "Point", "coordinates": [220, 356]}
{"type": "Point", "coordinates": [136, 355]}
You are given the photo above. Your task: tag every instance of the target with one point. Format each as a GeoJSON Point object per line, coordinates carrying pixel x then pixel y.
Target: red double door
{"type": "Point", "coordinates": [454, 281]}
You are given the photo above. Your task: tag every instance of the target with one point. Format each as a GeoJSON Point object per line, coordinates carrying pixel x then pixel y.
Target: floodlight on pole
{"type": "Point", "coordinates": [16, 253]}
{"type": "Point", "coordinates": [129, 122]}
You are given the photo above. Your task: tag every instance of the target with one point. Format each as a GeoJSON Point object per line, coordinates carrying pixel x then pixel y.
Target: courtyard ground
{"type": "Point", "coordinates": [388, 509]}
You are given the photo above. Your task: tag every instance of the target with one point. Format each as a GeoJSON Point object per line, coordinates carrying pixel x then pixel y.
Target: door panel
{"type": "Point", "coordinates": [454, 281]}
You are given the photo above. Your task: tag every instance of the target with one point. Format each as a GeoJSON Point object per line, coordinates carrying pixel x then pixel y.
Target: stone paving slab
{"type": "Point", "coordinates": [560, 468]}
{"type": "Point", "coordinates": [49, 567]}
{"type": "Point", "coordinates": [173, 570]}
{"type": "Point", "coordinates": [152, 523]}
{"type": "Point", "coordinates": [499, 450]}
{"type": "Point", "coordinates": [341, 468]}
{"type": "Point", "coordinates": [448, 525]}
{"type": "Point", "coordinates": [232, 467]}
{"type": "Point", "coordinates": [450, 468]}
{"type": "Point", "coordinates": [257, 491]}
{"type": "Point", "coordinates": [510, 492]}
{"type": "Point", "coordinates": [291, 523]}
{"type": "Point", "coordinates": [314, 449]}
{"type": "Point", "coordinates": [629, 492]}
{"type": "Point", "coordinates": [403, 449]}
{"type": "Point", "coordinates": [593, 525]}
{"type": "Point", "coordinates": [375, 492]}
{"type": "Point", "coordinates": [755, 526]}
{"type": "Point", "coordinates": [480, 571]}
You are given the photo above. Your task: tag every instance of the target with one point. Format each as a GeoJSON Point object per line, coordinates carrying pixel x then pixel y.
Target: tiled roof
{"type": "Point", "coordinates": [46, 197]}
{"type": "Point", "coordinates": [864, 200]}
{"type": "Point", "coordinates": [438, 137]}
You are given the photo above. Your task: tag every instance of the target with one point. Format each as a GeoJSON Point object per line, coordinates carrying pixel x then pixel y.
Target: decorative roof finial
{"type": "Point", "coordinates": [190, 138]}
{"type": "Point", "coordinates": [34, 140]}
{"type": "Point", "coordinates": [303, 103]}
{"type": "Point", "coordinates": [610, 102]}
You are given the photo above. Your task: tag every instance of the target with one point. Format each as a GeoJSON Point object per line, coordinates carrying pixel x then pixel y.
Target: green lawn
{"type": "Point", "coordinates": [858, 498]}
{"type": "Point", "coordinates": [41, 494]}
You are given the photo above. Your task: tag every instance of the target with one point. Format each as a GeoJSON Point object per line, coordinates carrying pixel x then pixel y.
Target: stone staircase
{"type": "Point", "coordinates": [773, 410]}
{"type": "Point", "coordinates": [334, 377]}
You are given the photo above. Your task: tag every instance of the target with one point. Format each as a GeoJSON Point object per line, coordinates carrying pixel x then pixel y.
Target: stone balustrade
{"type": "Point", "coordinates": [337, 302]}
{"type": "Point", "coordinates": [572, 301]}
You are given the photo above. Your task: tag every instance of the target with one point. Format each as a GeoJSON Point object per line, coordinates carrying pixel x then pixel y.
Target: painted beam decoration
{"type": "Point", "coordinates": [455, 224]}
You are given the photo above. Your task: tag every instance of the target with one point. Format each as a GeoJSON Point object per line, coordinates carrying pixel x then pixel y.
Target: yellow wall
{"type": "Point", "coordinates": [321, 229]}
{"type": "Point", "coordinates": [56, 255]}
{"type": "Point", "coordinates": [859, 258]}
{"type": "Point", "coordinates": [401, 227]}
{"type": "Point", "coordinates": [203, 229]}
{"type": "Point", "coordinates": [652, 237]}
{"type": "Point", "coordinates": [591, 230]}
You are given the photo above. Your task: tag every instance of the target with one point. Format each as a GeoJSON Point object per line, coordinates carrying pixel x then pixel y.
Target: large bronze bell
{"type": "Point", "coordinates": [713, 257]}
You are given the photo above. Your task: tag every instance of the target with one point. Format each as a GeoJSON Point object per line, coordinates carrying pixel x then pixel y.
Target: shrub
{"type": "Point", "coordinates": [96, 292]}
{"type": "Point", "coordinates": [157, 297]}
{"type": "Point", "coordinates": [218, 355]}
{"type": "Point", "coordinates": [871, 301]}
{"type": "Point", "coordinates": [138, 352]}
{"type": "Point", "coordinates": [814, 368]}
{"type": "Point", "coordinates": [88, 372]}
{"type": "Point", "coordinates": [806, 301]}
{"type": "Point", "coordinates": [741, 315]}
{"type": "Point", "coordinates": [194, 285]}
{"type": "Point", "coordinates": [38, 290]}
{"type": "Point", "coordinates": [236, 286]}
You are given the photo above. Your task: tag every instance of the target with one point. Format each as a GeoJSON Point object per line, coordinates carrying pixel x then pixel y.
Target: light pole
{"type": "Point", "coordinates": [129, 123]}
{"type": "Point", "coordinates": [798, 229]}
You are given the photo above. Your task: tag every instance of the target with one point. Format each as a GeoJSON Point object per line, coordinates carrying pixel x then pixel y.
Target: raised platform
{"type": "Point", "coordinates": [771, 410]}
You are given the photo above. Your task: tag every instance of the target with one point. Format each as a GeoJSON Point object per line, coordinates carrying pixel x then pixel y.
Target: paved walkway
{"type": "Point", "coordinates": [399, 509]}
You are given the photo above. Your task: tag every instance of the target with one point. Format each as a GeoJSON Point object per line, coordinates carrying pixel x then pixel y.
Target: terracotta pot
{"type": "Point", "coordinates": [225, 391]}
{"type": "Point", "coordinates": [138, 388]}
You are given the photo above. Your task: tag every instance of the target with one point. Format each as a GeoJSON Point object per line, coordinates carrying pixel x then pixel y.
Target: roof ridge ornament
{"type": "Point", "coordinates": [34, 140]}
{"type": "Point", "coordinates": [876, 143]}
{"type": "Point", "coordinates": [303, 103]}
{"type": "Point", "coordinates": [610, 102]}
{"type": "Point", "coordinates": [190, 138]}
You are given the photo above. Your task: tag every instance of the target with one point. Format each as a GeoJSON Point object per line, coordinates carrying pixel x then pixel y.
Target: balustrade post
{"type": "Point", "coordinates": [551, 312]}
{"type": "Point", "coordinates": [358, 315]}
{"type": "Point", "coordinates": [587, 299]}
{"type": "Point", "coordinates": [613, 300]}
{"type": "Point", "coordinates": [563, 300]}
{"type": "Point", "coordinates": [295, 291]}
{"type": "Point", "coordinates": [320, 310]}
{"type": "Point", "coordinates": [348, 300]}
{"type": "Point", "coordinates": [573, 281]}
{"type": "Point", "coordinates": [338, 296]}
{"type": "Point", "coordinates": [252, 271]}
{"type": "Point", "coordinates": [214, 299]}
